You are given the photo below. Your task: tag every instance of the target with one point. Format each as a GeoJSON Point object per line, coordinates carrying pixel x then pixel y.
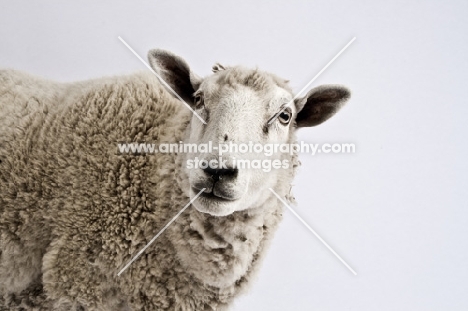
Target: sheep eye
{"type": "Point", "coordinates": [198, 101]}
{"type": "Point", "coordinates": [285, 117]}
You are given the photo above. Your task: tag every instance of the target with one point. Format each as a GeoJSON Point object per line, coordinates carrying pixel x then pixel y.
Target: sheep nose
{"type": "Point", "coordinates": [220, 173]}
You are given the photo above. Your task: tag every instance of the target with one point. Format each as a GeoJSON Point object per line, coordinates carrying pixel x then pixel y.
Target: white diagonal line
{"type": "Point", "coordinates": [311, 81]}
{"type": "Point", "coordinates": [160, 232]}
{"type": "Point", "coordinates": [162, 81]}
{"type": "Point", "coordinates": [315, 233]}
{"type": "Point", "coordinates": [324, 68]}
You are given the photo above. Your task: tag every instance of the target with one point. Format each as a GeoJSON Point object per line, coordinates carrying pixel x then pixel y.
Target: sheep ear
{"type": "Point", "coordinates": [175, 72]}
{"type": "Point", "coordinates": [320, 104]}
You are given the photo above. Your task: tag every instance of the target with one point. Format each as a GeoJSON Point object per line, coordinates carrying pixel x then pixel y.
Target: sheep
{"type": "Point", "coordinates": [73, 210]}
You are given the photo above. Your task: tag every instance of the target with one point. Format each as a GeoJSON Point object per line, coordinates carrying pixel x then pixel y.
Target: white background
{"type": "Point", "coordinates": [396, 210]}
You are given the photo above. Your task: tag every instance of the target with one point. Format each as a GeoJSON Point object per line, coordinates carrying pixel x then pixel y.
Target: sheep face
{"type": "Point", "coordinates": [237, 104]}
{"type": "Point", "coordinates": [243, 112]}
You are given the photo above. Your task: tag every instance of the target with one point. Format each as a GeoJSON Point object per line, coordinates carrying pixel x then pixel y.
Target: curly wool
{"type": "Point", "coordinates": [73, 211]}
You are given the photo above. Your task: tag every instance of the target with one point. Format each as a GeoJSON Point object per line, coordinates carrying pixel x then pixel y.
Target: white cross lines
{"type": "Point", "coordinates": [162, 80]}
{"type": "Point", "coordinates": [313, 231]}
{"type": "Point", "coordinates": [310, 82]}
{"type": "Point", "coordinates": [203, 121]}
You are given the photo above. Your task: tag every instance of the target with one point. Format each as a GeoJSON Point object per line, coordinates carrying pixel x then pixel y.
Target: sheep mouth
{"type": "Point", "coordinates": [212, 196]}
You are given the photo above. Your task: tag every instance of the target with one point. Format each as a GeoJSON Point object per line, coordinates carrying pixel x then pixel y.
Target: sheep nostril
{"type": "Point", "coordinates": [228, 172]}
{"type": "Point", "coordinates": [217, 174]}
{"type": "Point", "coordinates": [210, 171]}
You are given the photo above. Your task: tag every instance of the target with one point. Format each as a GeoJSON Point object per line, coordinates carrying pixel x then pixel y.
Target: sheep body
{"type": "Point", "coordinates": [73, 211]}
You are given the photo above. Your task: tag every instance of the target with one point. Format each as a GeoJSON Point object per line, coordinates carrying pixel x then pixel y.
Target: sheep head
{"type": "Point", "coordinates": [241, 106]}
